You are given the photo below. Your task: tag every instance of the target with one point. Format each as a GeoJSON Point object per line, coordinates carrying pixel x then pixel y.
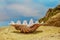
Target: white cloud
{"type": "Point", "coordinates": [3, 16]}
{"type": "Point", "coordinates": [26, 10]}
{"type": "Point", "coordinates": [23, 9]}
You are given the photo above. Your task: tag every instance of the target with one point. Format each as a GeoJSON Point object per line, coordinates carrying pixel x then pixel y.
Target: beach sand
{"type": "Point", "coordinates": [42, 33]}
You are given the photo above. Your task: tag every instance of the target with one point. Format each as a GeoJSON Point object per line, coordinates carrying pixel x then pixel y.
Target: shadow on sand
{"type": "Point", "coordinates": [36, 32]}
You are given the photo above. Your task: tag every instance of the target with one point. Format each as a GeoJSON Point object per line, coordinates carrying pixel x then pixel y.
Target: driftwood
{"type": "Point", "coordinates": [25, 28]}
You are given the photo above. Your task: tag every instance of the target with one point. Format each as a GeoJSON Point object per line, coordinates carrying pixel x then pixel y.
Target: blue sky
{"type": "Point", "coordinates": [24, 9]}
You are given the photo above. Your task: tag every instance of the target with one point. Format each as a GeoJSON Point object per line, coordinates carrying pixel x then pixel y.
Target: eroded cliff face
{"type": "Point", "coordinates": [54, 20]}
{"type": "Point", "coordinates": [51, 12]}
{"type": "Point", "coordinates": [52, 17]}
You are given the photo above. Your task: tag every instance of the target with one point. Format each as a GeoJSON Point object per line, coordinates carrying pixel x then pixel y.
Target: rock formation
{"type": "Point", "coordinates": [25, 29]}
{"type": "Point", "coordinates": [52, 17]}
{"type": "Point", "coordinates": [54, 21]}
{"type": "Point", "coordinates": [51, 12]}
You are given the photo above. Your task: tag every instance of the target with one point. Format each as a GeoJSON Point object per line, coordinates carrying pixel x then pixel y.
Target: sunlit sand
{"type": "Point", "coordinates": [42, 33]}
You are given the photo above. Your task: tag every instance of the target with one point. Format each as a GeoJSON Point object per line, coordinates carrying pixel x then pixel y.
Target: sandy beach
{"type": "Point", "coordinates": [42, 33]}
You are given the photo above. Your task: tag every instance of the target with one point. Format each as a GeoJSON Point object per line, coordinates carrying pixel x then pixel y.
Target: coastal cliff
{"type": "Point", "coordinates": [50, 16]}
